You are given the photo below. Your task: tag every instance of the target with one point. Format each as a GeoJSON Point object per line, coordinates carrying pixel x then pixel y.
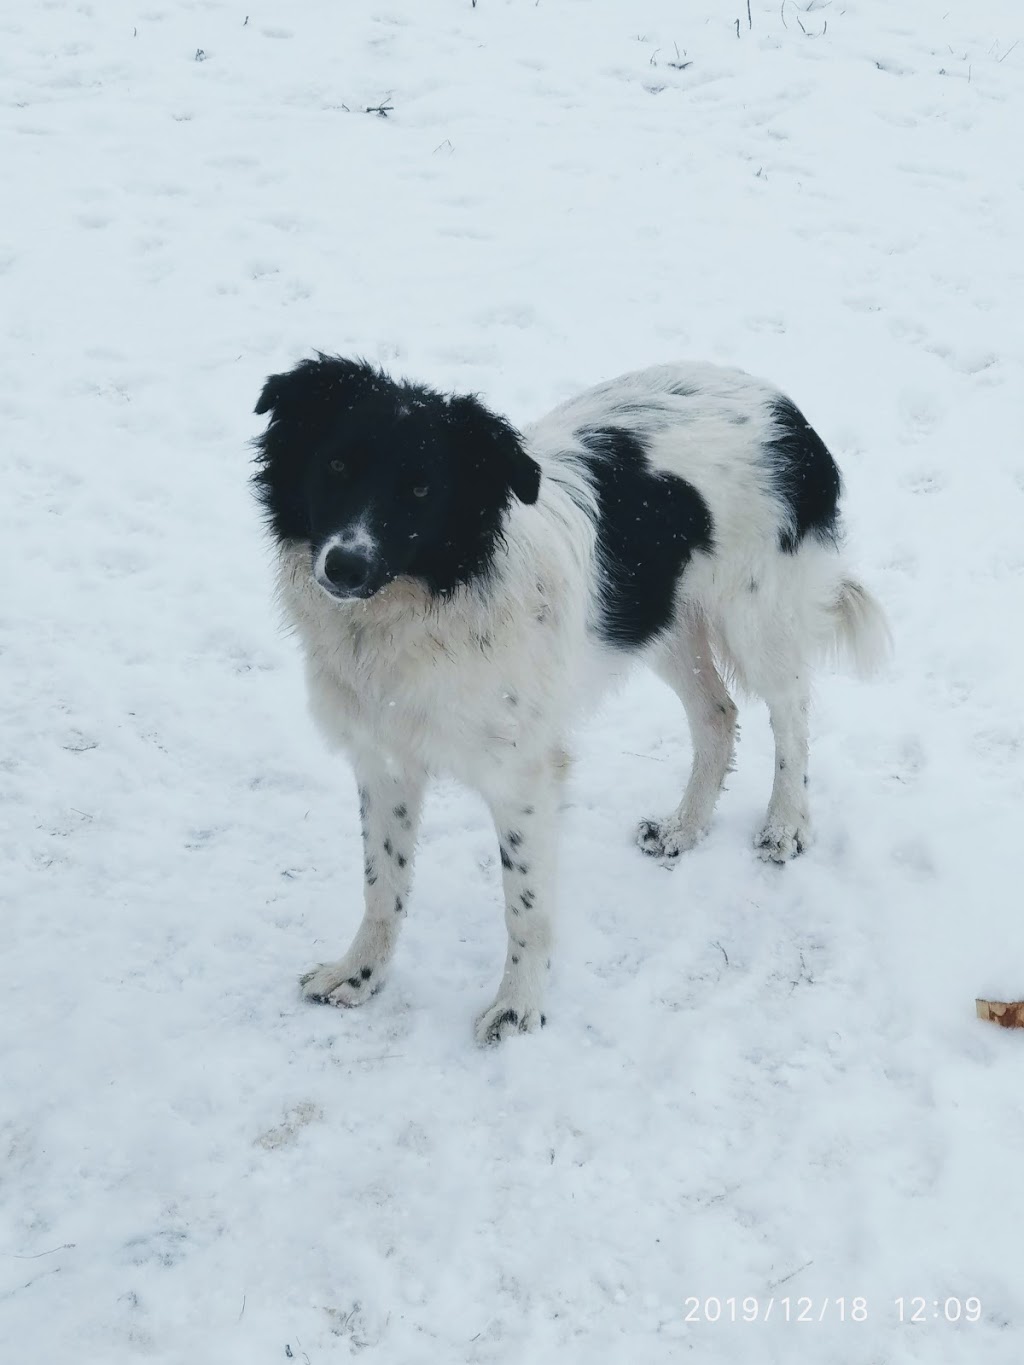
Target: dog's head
{"type": "Point", "coordinates": [385, 479]}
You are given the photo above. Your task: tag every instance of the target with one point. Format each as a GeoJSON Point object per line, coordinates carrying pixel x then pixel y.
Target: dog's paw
{"type": "Point", "coordinates": [781, 840]}
{"type": "Point", "coordinates": [507, 1016]}
{"type": "Point", "coordinates": [343, 983]}
{"type": "Point", "coordinates": [666, 839]}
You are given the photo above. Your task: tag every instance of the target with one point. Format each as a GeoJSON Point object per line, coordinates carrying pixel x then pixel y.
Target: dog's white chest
{"type": "Point", "coordinates": [454, 703]}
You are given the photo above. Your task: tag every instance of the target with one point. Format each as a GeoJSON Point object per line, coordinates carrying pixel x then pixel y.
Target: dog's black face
{"type": "Point", "coordinates": [385, 480]}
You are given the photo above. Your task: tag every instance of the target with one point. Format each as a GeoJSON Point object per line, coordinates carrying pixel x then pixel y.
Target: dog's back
{"type": "Point", "coordinates": [752, 541]}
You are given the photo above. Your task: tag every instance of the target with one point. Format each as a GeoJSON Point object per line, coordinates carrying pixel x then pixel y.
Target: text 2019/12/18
{"type": "Point", "coordinates": [839, 1308]}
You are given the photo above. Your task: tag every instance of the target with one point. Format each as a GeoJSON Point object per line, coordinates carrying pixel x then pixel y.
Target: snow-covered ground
{"type": "Point", "coordinates": [754, 1083]}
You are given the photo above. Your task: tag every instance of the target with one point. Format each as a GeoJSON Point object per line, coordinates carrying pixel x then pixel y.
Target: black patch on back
{"type": "Point", "coordinates": [649, 524]}
{"type": "Point", "coordinates": [805, 476]}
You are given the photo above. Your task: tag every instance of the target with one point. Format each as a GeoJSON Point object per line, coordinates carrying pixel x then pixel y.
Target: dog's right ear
{"type": "Point", "coordinates": [271, 394]}
{"type": "Point", "coordinates": [325, 384]}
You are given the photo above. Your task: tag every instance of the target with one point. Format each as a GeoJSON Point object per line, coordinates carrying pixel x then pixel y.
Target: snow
{"type": "Point", "coordinates": [754, 1082]}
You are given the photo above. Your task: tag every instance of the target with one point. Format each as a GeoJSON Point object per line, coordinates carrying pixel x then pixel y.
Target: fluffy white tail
{"type": "Point", "coordinates": [862, 632]}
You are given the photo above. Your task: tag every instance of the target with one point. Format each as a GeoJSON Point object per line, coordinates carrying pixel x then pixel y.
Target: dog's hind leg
{"type": "Point", "coordinates": [687, 665]}
{"type": "Point", "coordinates": [786, 831]}
{"type": "Point", "coordinates": [389, 808]}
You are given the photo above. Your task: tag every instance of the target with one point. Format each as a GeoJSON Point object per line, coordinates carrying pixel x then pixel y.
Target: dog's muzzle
{"type": "Point", "coordinates": [348, 573]}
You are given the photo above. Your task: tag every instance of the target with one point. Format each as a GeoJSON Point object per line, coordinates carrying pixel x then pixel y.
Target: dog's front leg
{"type": "Point", "coordinates": [527, 838]}
{"type": "Point", "coordinates": [389, 808]}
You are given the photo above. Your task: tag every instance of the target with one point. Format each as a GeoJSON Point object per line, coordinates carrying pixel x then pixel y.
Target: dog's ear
{"type": "Point", "coordinates": [271, 395]}
{"type": "Point", "coordinates": [489, 438]}
{"type": "Point", "coordinates": [326, 383]}
{"type": "Point", "coordinates": [304, 405]}
{"type": "Point", "coordinates": [525, 473]}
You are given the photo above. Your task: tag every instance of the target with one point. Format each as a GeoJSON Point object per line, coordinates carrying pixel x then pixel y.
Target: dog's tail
{"type": "Point", "coordinates": [862, 631]}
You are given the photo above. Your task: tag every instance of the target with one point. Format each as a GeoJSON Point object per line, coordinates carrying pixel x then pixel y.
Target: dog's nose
{"type": "Point", "coordinates": [347, 570]}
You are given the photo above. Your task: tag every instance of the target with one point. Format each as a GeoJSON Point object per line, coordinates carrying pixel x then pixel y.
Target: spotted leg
{"type": "Point", "coordinates": [390, 811]}
{"type": "Point", "coordinates": [787, 827]}
{"type": "Point", "coordinates": [527, 835]}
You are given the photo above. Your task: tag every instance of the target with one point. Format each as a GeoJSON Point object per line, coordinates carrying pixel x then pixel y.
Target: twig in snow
{"type": "Point", "coordinates": [368, 1061]}
{"type": "Point", "coordinates": [200, 55]}
{"type": "Point", "coordinates": [1007, 52]}
{"type": "Point", "coordinates": [782, 14]}
{"type": "Point", "coordinates": [812, 35]}
{"type": "Point", "coordinates": [750, 22]}
{"type": "Point", "coordinates": [737, 28]}
{"type": "Point", "coordinates": [29, 1283]}
{"type": "Point", "coordinates": [381, 110]}
{"type": "Point", "coordinates": [679, 64]}
{"type": "Point", "coordinates": [35, 1255]}
{"type": "Point", "coordinates": [804, 974]}
{"type": "Point", "coordinates": [775, 1283]}
{"type": "Point", "coordinates": [243, 1308]}
{"type": "Point", "coordinates": [722, 951]}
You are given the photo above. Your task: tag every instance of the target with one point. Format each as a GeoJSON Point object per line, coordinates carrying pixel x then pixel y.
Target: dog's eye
{"type": "Point", "coordinates": [421, 491]}
{"type": "Point", "coordinates": [338, 466]}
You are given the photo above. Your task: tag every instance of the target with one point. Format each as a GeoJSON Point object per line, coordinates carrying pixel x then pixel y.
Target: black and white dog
{"type": "Point", "coordinates": [464, 592]}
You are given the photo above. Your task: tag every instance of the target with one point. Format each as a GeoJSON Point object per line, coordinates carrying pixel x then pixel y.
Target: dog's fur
{"type": "Point", "coordinates": [464, 593]}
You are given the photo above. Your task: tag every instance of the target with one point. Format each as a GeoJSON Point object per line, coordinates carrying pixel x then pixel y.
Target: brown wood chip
{"type": "Point", "coordinates": [1006, 1014]}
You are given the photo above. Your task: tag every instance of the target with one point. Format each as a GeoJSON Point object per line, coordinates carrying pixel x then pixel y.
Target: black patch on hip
{"type": "Point", "coordinates": [805, 478]}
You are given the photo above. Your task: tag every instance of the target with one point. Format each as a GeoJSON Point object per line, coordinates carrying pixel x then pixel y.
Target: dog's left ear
{"type": "Point", "coordinates": [489, 437]}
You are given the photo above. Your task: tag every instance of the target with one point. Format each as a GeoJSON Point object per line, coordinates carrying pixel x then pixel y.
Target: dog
{"type": "Point", "coordinates": [464, 592]}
